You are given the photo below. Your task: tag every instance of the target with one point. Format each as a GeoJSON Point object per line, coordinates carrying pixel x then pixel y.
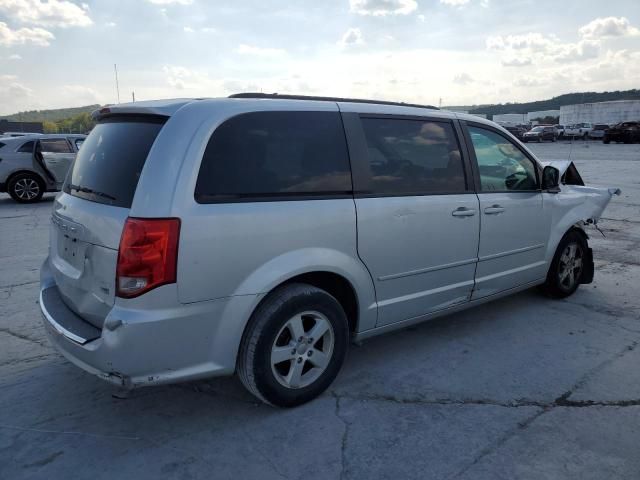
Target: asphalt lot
{"type": "Point", "coordinates": [525, 387]}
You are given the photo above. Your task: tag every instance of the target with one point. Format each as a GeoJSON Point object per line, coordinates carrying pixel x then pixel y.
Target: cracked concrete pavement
{"type": "Point", "coordinates": [525, 387]}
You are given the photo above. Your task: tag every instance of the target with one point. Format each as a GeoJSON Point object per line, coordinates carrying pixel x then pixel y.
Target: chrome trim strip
{"type": "Point", "coordinates": [511, 252]}
{"type": "Point", "coordinates": [424, 293]}
{"type": "Point", "coordinates": [439, 313]}
{"type": "Point", "coordinates": [427, 270]}
{"type": "Point", "coordinates": [59, 328]}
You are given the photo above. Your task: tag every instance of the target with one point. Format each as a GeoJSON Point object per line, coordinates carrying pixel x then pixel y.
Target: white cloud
{"type": "Point", "coordinates": [533, 41]}
{"type": "Point", "coordinates": [525, 49]}
{"type": "Point", "coordinates": [527, 82]}
{"type": "Point", "coordinates": [80, 94]}
{"type": "Point", "coordinates": [111, 24]}
{"type": "Point", "coordinates": [188, 29]}
{"type": "Point", "coordinates": [53, 13]}
{"type": "Point", "coordinates": [463, 79]}
{"type": "Point", "coordinates": [15, 56]}
{"type": "Point", "coordinates": [352, 36]}
{"type": "Point", "coordinates": [516, 62]}
{"type": "Point", "coordinates": [35, 36]}
{"type": "Point", "coordinates": [583, 50]}
{"type": "Point", "coordinates": [455, 3]}
{"type": "Point", "coordinates": [208, 30]}
{"type": "Point", "coordinates": [381, 8]}
{"type": "Point", "coordinates": [608, 27]}
{"type": "Point", "coordinates": [244, 49]}
{"type": "Point", "coordinates": [171, 2]}
{"type": "Point", "coordinates": [421, 17]}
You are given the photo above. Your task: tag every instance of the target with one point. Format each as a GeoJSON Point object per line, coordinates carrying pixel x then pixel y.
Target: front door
{"type": "Point", "coordinates": [514, 228]}
{"type": "Point", "coordinates": [418, 222]}
{"type": "Point", "coordinates": [57, 155]}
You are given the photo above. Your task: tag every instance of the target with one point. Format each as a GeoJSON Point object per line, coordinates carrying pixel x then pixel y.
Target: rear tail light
{"type": "Point", "coordinates": [147, 256]}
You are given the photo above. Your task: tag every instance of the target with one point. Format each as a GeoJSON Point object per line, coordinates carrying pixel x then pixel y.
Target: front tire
{"type": "Point", "coordinates": [25, 188]}
{"type": "Point", "coordinates": [567, 267]}
{"type": "Point", "coordinates": [294, 345]}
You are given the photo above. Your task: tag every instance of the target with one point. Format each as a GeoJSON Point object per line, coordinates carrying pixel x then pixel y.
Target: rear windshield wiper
{"type": "Point", "coordinates": [78, 188]}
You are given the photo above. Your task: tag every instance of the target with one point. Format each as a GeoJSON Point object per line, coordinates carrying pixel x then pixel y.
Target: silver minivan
{"type": "Point", "coordinates": [259, 234]}
{"type": "Point", "coordinates": [32, 164]}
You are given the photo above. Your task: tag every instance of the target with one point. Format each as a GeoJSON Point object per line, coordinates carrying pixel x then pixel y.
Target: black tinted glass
{"type": "Point", "coordinates": [413, 156]}
{"type": "Point", "coordinates": [109, 163]}
{"type": "Point", "coordinates": [26, 147]}
{"type": "Point", "coordinates": [56, 146]}
{"type": "Point", "coordinates": [275, 154]}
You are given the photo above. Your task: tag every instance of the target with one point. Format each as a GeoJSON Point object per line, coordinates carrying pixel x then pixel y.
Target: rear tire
{"type": "Point", "coordinates": [567, 267]}
{"type": "Point", "coordinates": [606, 141]}
{"type": "Point", "coordinates": [294, 345]}
{"type": "Point", "coordinates": [25, 188]}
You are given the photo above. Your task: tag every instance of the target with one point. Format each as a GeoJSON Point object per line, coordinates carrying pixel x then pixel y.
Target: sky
{"type": "Point", "coordinates": [61, 53]}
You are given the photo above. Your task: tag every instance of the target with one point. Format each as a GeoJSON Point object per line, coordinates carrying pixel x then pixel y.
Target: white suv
{"type": "Point", "coordinates": [36, 163]}
{"type": "Point", "coordinates": [260, 234]}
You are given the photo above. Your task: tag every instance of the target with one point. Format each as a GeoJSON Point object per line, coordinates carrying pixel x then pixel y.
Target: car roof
{"type": "Point", "coordinates": [240, 103]}
{"type": "Point", "coordinates": [40, 136]}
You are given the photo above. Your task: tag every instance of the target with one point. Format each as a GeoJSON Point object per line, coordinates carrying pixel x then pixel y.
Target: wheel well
{"type": "Point", "coordinates": [579, 231]}
{"type": "Point", "coordinates": [338, 287]}
{"type": "Point", "coordinates": [43, 184]}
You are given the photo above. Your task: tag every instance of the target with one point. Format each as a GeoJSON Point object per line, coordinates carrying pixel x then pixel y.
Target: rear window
{"type": "Point", "coordinates": [274, 155]}
{"type": "Point", "coordinates": [108, 165]}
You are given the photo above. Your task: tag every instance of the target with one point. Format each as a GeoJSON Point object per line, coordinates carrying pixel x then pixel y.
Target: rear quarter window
{"type": "Point", "coordinates": [108, 165]}
{"type": "Point", "coordinates": [275, 155]}
{"type": "Point", "coordinates": [26, 147]}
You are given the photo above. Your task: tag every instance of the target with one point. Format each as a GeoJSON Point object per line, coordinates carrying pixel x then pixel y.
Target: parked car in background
{"type": "Point", "coordinates": [625, 132]}
{"type": "Point", "coordinates": [540, 133]}
{"type": "Point", "coordinates": [579, 130]}
{"type": "Point", "coordinates": [598, 131]}
{"type": "Point", "coordinates": [17, 134]}
{"type": "Point", "coordinates": [33, 164]}
{"type": "Point", "coordinates": [560, 129]}
{"type": "Point", "coordinates": [516, 130]}
{"type": "Point", "coordinates": [259, 235]}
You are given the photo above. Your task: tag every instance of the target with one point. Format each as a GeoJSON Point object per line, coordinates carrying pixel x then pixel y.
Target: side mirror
{"type": "Point", "coordinates": [551, 179]}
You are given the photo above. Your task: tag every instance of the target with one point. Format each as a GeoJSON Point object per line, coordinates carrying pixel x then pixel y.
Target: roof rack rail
{"type": "Point", "coordinates": [327, 99]}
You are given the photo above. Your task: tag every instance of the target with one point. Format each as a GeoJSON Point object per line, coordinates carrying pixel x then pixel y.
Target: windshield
{"type": "Point", "coordinates": [537, 129]}
{"type": "Point", "coordinates": [110, 161]}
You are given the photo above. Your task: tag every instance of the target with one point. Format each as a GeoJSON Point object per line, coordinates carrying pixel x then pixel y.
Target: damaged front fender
{"type": "Point", "coordinates": [575, 205]}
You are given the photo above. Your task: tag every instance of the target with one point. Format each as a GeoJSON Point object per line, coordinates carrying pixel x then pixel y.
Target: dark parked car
{"type": "Point", "coordinates": [541, 133]}
{"type": "Point", "coordinates": [626, 132]}
{"type": "Point", "coordinates": [516, 130]}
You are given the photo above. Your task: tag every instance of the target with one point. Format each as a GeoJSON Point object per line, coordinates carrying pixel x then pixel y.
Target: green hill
{"type": "Point", "coordinates": [552, 104]}
{"type": "Point", "coordinates": [50, 115]}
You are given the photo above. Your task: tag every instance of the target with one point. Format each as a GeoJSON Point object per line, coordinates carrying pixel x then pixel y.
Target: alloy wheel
{"type": "Point", "coordinates": [570, 266]}
{"type": "Point", "coordinates": [26, 189]}
{"type": "Point", "coordinates": [302, 349]}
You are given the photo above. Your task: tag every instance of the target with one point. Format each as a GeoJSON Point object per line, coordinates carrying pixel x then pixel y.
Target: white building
{"type": "Point", "coordinates": [511, 118]}
{"type": "Point", "coordinates": [542, 113]}
{"type": "Point", "coordinates": [601, 112]}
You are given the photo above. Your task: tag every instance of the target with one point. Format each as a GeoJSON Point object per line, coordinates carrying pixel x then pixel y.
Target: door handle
{"type": "Point", "coordinates": [463, 212]}
{"type": "Point", "coordinates": [494, 210]}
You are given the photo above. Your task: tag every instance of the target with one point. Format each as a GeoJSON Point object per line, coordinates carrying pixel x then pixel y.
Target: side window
{"type": "Point", "coordinates": [58, 145]}
{"type": "Point", "coordinates": [79, 142]}
{"type": "Point", "coordinates": [264, 154]}
{"type": "Point", "coordinates": [413, 156]}
{"type": "Point", "coordinates": [502, 165]}
{"type": "Point", "coordinates": [26, 147]}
